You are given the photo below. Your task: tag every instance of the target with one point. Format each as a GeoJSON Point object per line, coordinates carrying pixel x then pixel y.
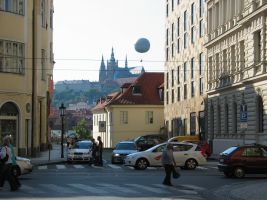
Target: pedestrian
{"type": "Point", "coordinates": [6, 173]}
{"type": "Point", "coordinates": [168, 162]}
{"type": "Point", "coordinates": [100, 150]}
{"type": "Point", "coordinates": [94, 151]}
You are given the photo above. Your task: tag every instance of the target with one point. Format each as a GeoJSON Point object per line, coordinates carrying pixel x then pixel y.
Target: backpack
{"type": "Point", "coordinates": [3, 160]}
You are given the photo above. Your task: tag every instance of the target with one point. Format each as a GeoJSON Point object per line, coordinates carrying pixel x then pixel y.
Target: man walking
{"type": "Point", "coordinates": [100, 150]}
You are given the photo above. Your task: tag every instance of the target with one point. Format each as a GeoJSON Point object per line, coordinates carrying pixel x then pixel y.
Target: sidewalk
{"type": "Point", "coordinates": [43, 158]}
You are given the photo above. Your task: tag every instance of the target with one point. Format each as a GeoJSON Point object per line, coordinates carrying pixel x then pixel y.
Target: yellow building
{"type": "Point", "coordinates": [26, 64]}
{"type": "Point", "coordinates": [136, 110]}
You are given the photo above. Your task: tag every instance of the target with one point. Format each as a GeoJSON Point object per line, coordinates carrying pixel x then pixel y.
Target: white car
{"type": "Point", "coordinates": [23, 166]}
{"type": "Point", "coordinates": [186, 155]}
{"type": "Point", "coordinates": [80, 151]}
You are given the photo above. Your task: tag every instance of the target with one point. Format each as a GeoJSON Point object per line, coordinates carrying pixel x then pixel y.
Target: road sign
{"type": "Point", "coordinates": [243, 125]}
{"type": "Point", "coordinates": [243, 113]}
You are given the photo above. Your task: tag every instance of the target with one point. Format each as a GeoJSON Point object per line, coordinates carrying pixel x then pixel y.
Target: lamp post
{"type": "Point", "coordinates": [62, 109]}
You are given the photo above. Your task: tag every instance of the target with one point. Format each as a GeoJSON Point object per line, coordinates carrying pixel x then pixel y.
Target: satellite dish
{"type": "Point", "coordinates": [142, 45]}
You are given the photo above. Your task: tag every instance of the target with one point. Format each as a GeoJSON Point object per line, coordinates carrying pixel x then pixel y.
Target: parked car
{"type": "Point", "coordinates": [121, 150]}
{"type": "Point", "coordinates": [147, 141]}
{"type": "Point", "coordinates": [186, 155]}
{"type": "Point", "coordinates": [246, 159]}
{"type": "Point", "coordinates": [203, 144]}
{"type": "Point", "coordinates": [23, 166]}
{"type": "Point", "coordinates": [80, 151]}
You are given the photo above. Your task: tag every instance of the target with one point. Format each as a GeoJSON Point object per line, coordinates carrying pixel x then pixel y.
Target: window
{"type": "Point", "coordinates": [234, 117]}
{"type": "Point", "coordinates": [172, 81]}
{"type": "Point", "coordinates": [185, 40]}
{"type": "Point", "coordinates": [178, 45]}
{"type": "Point", "coordinates": [167, 37]}
{"type": "Point", "coordinates": [201, 28]}
{"type": "Point", "coordinates": [167, 9]}
{"type": "Point", "coordinates": [149, 117]}
{"type": "Point", "coordinates": [192, 13]}
{"type": "Point", "coordinates": [185, 91]}
{"type": "Point", "coordinates": [219, 119]}
{"type": "Point", "coordinates": [43, 10]}
{"type": "Point", "coordinates": [167, 80]}
{"type": "Point", "coordinates": [201, 63]}
{"type": "Point", "coordinates": [193, 123]}
{"type": "Point", "coordinates": [185, 71]}
{"type": "Point", "coordinates": [226, 119]}
{"type": "Point", "coordinates": [192, 67]}
{"type": "Point", "coordinates": [12, 57]}
{"type": "Point", "coordinates": [178, 94]}
{"type": "Point", "coordinates": [13, 6]}
{"type": "Point", "coordinates": [185, 126]}
{"type": "Point", "coordinates": [172, 32]}
{"type": "Point", "coordinates": [201, 86]}
{"type": "Point", "coordinates": [172, 5]}
{"type": "Point", "coordinates": [178, 27]}
{"type": "Point", "coordinates": [192, 89]}
{"type": "Point", "coordinates": [167, 98]}
{"type": "Point", "coordinates": [124, 117]}
{"type": "Point", "coordinates": [136, 89]}
{"type": "Point", "coordinates": [201, 8]}
{"type": "Point", "coordinates": [43, 64]}
{"type": "Point", "coordinates": [260, 114]}
{"type": "Point", "coordinates": [172, 95]}
{"type": "Point", "coordinates": [178, 75]}
{"type": "Point", "coordinates": [193, 35]}
{"type": "Point", "coordinates": [257, 47]}
{"type": "Point", "coordinates": [185, 21]}
{"type": "Point", "coordinates": [252, 152]}
{"type": "Point", "coordinates": [201, 123]}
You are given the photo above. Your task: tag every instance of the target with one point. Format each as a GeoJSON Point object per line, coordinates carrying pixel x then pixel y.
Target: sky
{"type": "Point", "coordinates": [84, 30]}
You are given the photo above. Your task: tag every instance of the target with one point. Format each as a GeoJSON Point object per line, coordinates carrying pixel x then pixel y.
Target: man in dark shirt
{"type": "Point", "coordinates": [100, 150]}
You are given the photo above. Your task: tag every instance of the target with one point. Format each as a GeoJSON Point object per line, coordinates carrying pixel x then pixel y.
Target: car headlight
{"type": "Point", "coordinates": [116, 154]}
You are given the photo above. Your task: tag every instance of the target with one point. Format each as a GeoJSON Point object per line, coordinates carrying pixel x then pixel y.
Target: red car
{"type": "Point", "coordinates": [240, 160]}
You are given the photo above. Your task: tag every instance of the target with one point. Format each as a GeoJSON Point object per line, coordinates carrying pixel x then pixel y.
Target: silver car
{"type": "Point", "coordinates": [23, 166]}
{"type": "Point", "coordinates": [80, 151]}
{"type": "Point", "coordinates": [121, 150]}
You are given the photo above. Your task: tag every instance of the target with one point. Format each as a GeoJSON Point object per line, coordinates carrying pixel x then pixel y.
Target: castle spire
{"type": "Point", "coordinates": [112, 58]}
{"type": "Point", "coordinates": [102, 71]}
{"type": "Point", "coordinates": [126, 62]}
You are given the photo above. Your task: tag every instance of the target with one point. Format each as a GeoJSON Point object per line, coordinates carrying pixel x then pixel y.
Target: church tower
{"type": "Point", "coordinates": [102, 71]}
{"type": "Point", "coordinates": [112, 66]}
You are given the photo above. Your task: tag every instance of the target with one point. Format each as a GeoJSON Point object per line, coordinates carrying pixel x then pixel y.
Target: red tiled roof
{"type": "Point", "coordinates": [104, 101]}
{"type": "Point", "coordinates": [148, 83]}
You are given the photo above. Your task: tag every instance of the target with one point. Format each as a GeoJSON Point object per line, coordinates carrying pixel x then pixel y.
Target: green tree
{"type": "Point", "coordinates": [82, 130]}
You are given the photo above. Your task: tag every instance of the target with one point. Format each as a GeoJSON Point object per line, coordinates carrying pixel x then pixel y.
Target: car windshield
{"type": "Point", "coordinates": [82, 145]}
{"type": "Point", "coordinates": [126, 146]}
{"type": "Point", "coordinates": [229, 151]}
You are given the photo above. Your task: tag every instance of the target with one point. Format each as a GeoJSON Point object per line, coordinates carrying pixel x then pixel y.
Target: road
{"type": "Point", "coordinates": [81, 181]}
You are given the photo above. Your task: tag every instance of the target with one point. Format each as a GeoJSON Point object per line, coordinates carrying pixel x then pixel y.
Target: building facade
{"type": "Point", "coordinates": [185, 68]}
{"type": "Point", "coordinates": [26, 64]}
{"type": "Point", "coordinates": [237, 78]}
{"type": "Point", "coordinates": [135, 111]}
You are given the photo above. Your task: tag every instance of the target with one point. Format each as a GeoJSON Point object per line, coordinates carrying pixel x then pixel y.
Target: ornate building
{"type": "Point", "coordinates": [237, 78]}
{"type": "Point", "coordinates": [26, 71]}
{"type": "Point", "coordinates": [112, 71]}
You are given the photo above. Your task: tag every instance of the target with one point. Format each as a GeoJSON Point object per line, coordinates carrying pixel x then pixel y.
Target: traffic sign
{"type": "Point", "coordinates": [243, 113]}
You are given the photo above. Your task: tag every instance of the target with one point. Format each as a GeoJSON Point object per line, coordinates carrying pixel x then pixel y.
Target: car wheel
{"type": "Point", "coordinates": [191, 164]}
{"type": "Point", "coordinates": [239, 172]}
{"type": "Point", "coordinates": [141, 163]}
{"type": "Point", "coordinates": [228, 174]}
{"type": "Point", "coordinates": [16, 171]}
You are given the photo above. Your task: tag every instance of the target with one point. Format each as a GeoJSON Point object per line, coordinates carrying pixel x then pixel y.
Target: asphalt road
{"type": "Point", "coordinates": [81, 181]}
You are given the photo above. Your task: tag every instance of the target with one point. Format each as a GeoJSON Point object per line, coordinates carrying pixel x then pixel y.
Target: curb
{"type": "Point", "coordinates": [48, 162]}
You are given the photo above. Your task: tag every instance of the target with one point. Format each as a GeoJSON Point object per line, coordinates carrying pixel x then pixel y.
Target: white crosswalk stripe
{"type": "Point", "coordinates": [148, 188]}
{"type": "Point", "coordinates": [114, 166]}
{"type": "Point", "coordinates": [203, 168]}
{"type": "Point", "coordinates": [118, 188]}
{"type": "Point", "coordinates": [58, 189]}
{"type": "Point", "coordinates": [88, 188]}
{"type": "Point", "coordinates": [78, 166]}
{"type": "Point", "coordinates": [176, 189]}
{"type": "Point", "coordinates": [42, 167]}
{"type": "Point", "coordinates": [61, 166]}
{"type": "Point", "coordinates": [31, 190]}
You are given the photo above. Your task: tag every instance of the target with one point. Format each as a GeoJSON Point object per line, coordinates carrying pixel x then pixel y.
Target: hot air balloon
{"type": "Point", "coordinates": [142, 45]}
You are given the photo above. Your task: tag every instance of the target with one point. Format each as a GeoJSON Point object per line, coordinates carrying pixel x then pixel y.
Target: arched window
{"type": "Point", "coordinates": [9, 121]}
{"type": "Point", "coordinates": [260, 113]}
{"type": "Point", "coordinates": [226, 119]}
{"type": "Point", "coordinates": [219, 119]}
{"type": "Point", "coordinates": [234, 114]}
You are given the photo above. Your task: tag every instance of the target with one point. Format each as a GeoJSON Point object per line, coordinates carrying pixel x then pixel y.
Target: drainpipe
{"type": "Point", "coordinates": [33, 80]}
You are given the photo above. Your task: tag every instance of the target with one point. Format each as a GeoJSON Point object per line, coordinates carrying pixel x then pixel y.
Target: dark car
{"type": "Point", "coordinates": [240, 160]}
{"type": "Point", "coordinates": [121, 150]}
{"type": "Point", "coordinates": [147, 141]}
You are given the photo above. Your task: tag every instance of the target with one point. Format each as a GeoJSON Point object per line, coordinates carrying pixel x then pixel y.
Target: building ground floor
{"type": "Point", "coordinates": [16, 114]}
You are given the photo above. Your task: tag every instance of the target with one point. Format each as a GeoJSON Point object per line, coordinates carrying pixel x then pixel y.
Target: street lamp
{"type": "Point", "coordinates": [62, 109]}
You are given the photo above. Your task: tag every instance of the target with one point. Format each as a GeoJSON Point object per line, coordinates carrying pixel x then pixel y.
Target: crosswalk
{"type": "Point", "coordinates": [110, 166]}
{"type": "Point", "coordinates": [106, 188]}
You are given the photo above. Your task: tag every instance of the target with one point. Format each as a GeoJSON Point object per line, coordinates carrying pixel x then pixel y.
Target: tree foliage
{"type": "Point", "coordinates": [82, 130]}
